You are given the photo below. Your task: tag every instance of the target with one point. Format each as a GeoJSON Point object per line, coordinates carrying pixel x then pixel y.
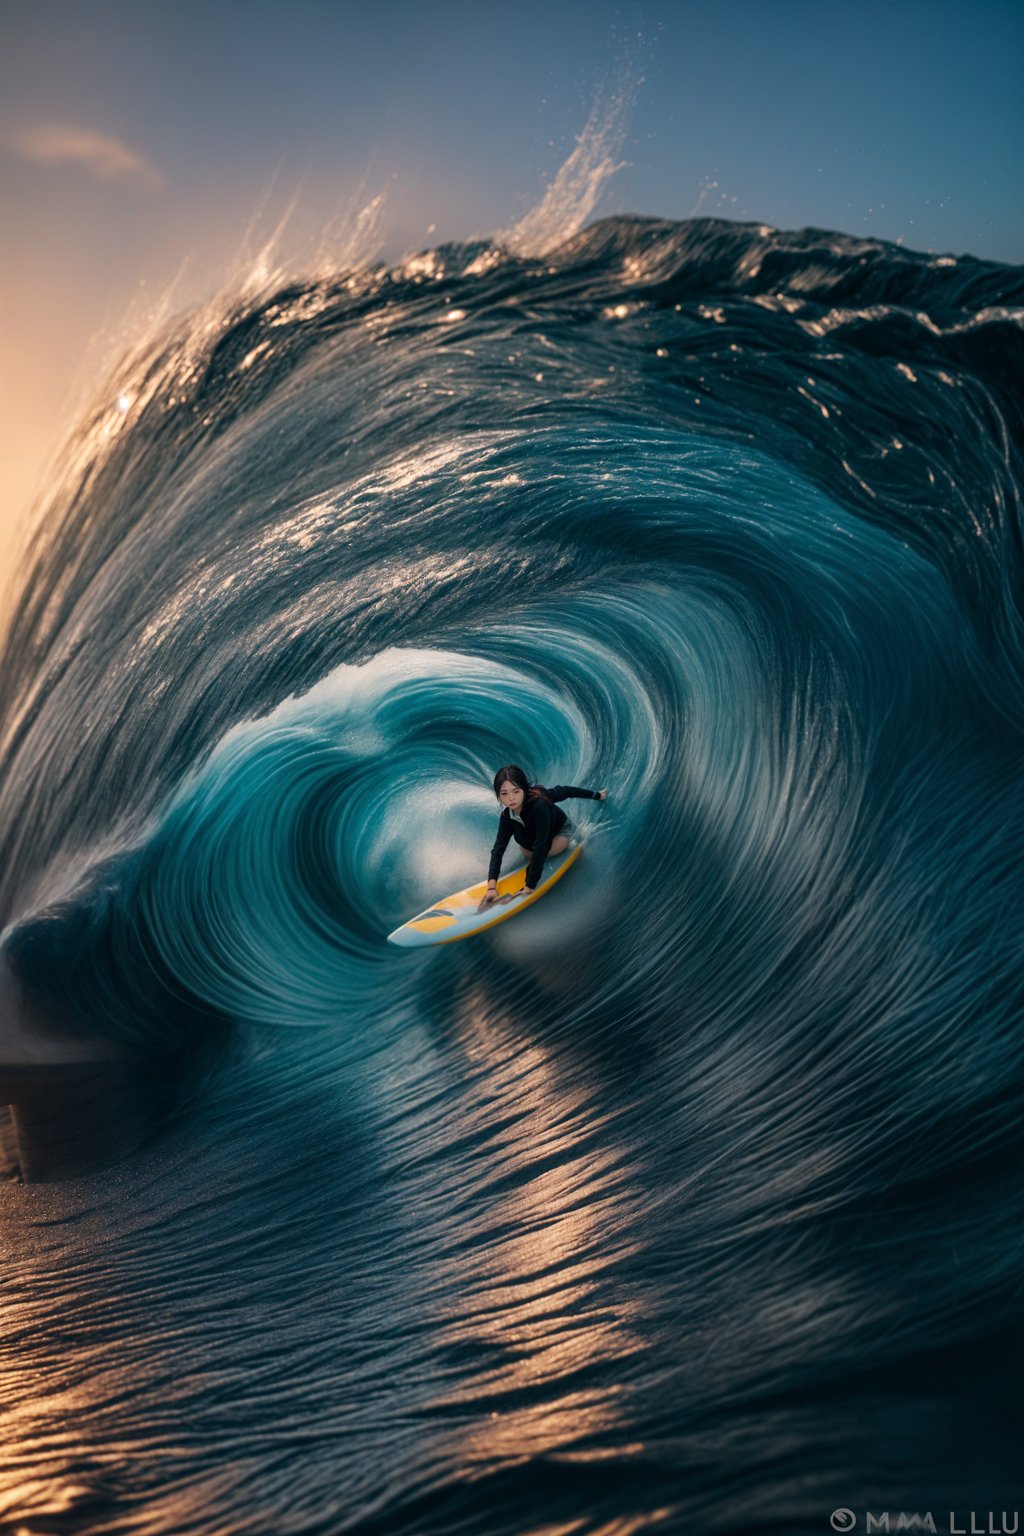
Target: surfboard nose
{"type": "Point", "coordinates": [412, 933]}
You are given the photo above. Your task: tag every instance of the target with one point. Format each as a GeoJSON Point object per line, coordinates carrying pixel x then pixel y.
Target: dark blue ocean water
{"type": "Point", "coordinates": [691, 1199]}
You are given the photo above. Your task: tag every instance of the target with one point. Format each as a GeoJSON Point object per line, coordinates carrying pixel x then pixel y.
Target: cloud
{"type": "Point", "coordinates": [99, 154]}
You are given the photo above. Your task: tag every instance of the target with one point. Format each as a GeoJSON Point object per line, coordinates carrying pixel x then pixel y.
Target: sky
{"type": "Point", "coordinates": [145, 146]}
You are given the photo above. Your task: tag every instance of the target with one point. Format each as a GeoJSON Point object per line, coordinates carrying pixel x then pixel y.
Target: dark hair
{"type": "Point", "coordinates": [512, 773]}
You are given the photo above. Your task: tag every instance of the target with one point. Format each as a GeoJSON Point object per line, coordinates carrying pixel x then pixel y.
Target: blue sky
{"type": "Point", "coordinates": [138, 137]}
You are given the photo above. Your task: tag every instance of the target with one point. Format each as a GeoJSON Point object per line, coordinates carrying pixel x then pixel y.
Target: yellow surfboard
{"type": "Point", "coordinates": [456, 917]}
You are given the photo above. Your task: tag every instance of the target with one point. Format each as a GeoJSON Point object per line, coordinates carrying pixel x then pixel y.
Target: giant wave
{"type": "Point", "coordinates": [673, 1202]}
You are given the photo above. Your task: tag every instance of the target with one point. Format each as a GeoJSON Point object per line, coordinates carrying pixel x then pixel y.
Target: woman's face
{"type": "Point", "coordinates": [511, 795]}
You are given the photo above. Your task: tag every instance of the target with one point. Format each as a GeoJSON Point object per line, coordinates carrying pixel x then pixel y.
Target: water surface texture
{"type": "Point", "coordinates": [692, 1198]}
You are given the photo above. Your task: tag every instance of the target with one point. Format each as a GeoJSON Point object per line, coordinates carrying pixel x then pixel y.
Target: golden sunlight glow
{"type": "Point", "coordinates": [536, 1290]}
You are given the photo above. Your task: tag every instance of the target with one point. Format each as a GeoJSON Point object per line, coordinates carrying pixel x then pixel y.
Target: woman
{"type": "Point", "coordinates": [530, 815]}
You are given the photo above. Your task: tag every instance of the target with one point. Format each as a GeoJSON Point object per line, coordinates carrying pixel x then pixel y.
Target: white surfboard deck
{"type": "Point", "coordinates": [456, 917]}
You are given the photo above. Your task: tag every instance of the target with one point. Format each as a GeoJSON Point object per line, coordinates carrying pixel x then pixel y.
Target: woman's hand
{"type": "Point", "coordinates": [602, 794]}
{"type": "Point", "coordinates": [489, 898]}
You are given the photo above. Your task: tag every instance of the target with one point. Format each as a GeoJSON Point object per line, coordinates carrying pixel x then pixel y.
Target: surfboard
{"type": "Point", "coordinates": [456, 917]}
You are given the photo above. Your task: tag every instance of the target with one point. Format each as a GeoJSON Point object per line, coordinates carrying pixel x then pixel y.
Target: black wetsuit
{"type": "Point", "coordinates": [537, 824]}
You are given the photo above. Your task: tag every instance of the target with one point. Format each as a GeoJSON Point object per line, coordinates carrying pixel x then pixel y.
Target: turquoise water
{"type": "Point", "coordinates": [687, 1199]}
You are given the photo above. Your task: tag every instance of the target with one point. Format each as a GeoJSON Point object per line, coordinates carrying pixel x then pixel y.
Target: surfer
{"type": "Point", "coordinates": [530, 815]}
